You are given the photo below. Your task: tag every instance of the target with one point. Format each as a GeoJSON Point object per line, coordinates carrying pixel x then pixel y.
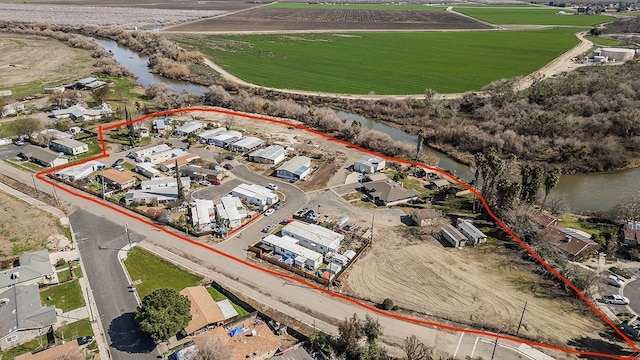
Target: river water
{"type": "Point", "coordinates": [584, 192]}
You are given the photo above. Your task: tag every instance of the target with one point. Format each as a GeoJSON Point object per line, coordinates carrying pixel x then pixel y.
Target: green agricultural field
{"type": "Point", "coordinates": [601, 41]}
{"type": "Point", "coordinates": [357, 6]}
{"type": "Point", "coordinates": [512, 15]}
{"type": "Point", "coordinates": [383, 63]}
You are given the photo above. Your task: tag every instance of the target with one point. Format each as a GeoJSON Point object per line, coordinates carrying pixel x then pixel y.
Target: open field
{"type": "Point", "coordinates": [313, 19]}
{"type": "Point", "coordinates": [514, 15]}
{"type": "Point", "coordinates": [29, 63]}
{"type": "Point", "coordinates": [23, 227]}
{"type": "Point", "coordinates": [396, 63]}
{"type": "Point", "coordinates": [146, 4]}
{"type": "Point", "coordinates": [357, 6]}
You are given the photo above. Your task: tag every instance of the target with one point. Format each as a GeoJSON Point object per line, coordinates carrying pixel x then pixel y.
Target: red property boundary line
{"type": "Point", "coordinates": [41, 176]}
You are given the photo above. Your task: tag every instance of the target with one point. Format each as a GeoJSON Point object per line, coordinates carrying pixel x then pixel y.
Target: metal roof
{"type": "Point", "coordinates": [69, 143]}
{"type": "Point", "coordinates": [289, 244]}
{"type": "Point", "coordinates": [312, 232]}
{"type": "Point", "coordinates": [471, 230]}
{"type": "Point", "coordinates": [248, 142]}
{"type": "Point", "coordinates": [296, 165]}
{"type": "Point", "coordinates": [271, 152]}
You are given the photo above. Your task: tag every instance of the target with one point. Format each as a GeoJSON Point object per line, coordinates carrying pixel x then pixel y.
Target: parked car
{"type": "Point", "coordinates": [229, 157]}
{"type": "Point", "coordinates": [269, 212]}
{"type": "Point", "coordinates": [118, 162]}
{"type": "Point", "coordinates": [119, 168]}
{"type": "Point", "coordinates": [272, 186]}
{"type": "Point", "coordinates": [278, 205]}
{"type": "Point", "coordinates": [615, 281]}
{"type": "Point", "coordinates": [204, 183]}
{"type": "Point", "coordinates": [19, 142]}
{"type": "Point", "coordinates": [228, 166]}
{"type": "Point", "coordinates": [616, 299]}
{"type": "Point", "coordinates": [83, 340]}
{"type": "Point", "coordinates": [268, 228]}
{"type": "Point", "coordinates": [215, 182]}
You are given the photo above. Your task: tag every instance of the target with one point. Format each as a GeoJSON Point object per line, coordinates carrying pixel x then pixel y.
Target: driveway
{"type": "Point", "coordinates": [99, 240]}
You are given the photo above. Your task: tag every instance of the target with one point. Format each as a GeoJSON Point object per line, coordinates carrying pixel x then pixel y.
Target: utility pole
{"type": "Point", "coordinates": [521, 317]}
{"type": "Point", "coordinates": [373, 219]}
{"type": "Point", "coordinates": [126, 229]}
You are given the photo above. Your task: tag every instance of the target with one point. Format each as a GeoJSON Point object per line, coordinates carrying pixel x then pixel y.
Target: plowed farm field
{"type": "Point", "coordinates": [275, 19]}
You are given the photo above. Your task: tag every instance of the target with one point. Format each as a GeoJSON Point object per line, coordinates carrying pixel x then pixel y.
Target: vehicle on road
{"type": "Point", "coordinates": [269, 212]}
{"type": "Point", "coordinates": [83, 340]}
{"type": "Point", "coordinates": [19, 142]}
{"type": "Point", "coordinates": [278, 205]}
{"type": "Point", "coordinates": [229, 157]}
{"type": "Point", "coordinates": [204, 183]}
{"type": "Point", "coordinates": [215, 182]}
{"type": "Point", "coordinates": [272, 186]}
{"type": "Point", "coordinates": [615, 281]}
{"type": "Point", "coordinates": [268, 228]}
{"type": "Point", "coordinates": [616, 299]}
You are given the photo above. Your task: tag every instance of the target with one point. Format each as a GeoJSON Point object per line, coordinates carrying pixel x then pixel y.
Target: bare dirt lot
{"type": "Point", "coordinates": [31, 59]}
{"type": "Point", "coordinates": [269, 19]}
{"type": "Point", "coordinates": [148, 4]}
{"type": "Point", "coordinates": [24, 227]}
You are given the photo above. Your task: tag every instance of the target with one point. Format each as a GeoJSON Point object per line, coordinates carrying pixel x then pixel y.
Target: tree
{"type": "Point", "coordinates": [371, 329]}
{"type": "Point", "coordinates": [179, 182]}
{"type": "Point", "coordinates": [350, 332]}
{"type": "Point", "coordinates": [211, 348]}
{"type": "Point", "coordinates": [321, 341]}
{"type": "Point", "coordinates": [163, 313]}
{"type": "Point", "coordinates": [415, 349]}
{"type": "Point", "coordinates": [387, 304]}
{"type": "Point", "coordinates": [101, 94]}
{"type": "Point", "coordinates": [373, 351]}
{"type": "Point", "coordinates": [550, 181]}
{"type": "Point", "coordinates": [28, 126]}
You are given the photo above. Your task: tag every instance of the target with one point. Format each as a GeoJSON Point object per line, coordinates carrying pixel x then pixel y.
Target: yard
{"type": "Point", "coordinates": [74, 330]}
{"type": "Point", "coordinates": [143, 267]}
{"type": "Point", "coordinates": [67, 296]}
{"type": "Point", "coordinates": [330, 62]}
{"type": "Point", "coordinates": [218, 296]}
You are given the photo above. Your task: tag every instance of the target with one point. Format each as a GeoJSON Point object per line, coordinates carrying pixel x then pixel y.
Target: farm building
{"type": "Point", "coordinates": [255, 194]}
{"type": "Point", "coordinates": [23, 318]}
{"type": "Point", "coordinates": [205, 136]}
{"type": "Point", "coordinates": [182, 158]}
{"type": "Point", "coordinates": [204, 310]}
{"type": "Point", "coordinates": [142, 154]}
{"type": "Point", "coordinates": [79, 172]}
{"type": "Point", "coordinates": [313, 236]}
{"type": "Point", "coordinates": [471, 232]}
{"type": "Point", "coordinates": [159, 195]}
{"type": "Point", "coordinates": [69, 146]}
{"type": "Point", "coordinates": [424, 217]}
{"type": "Point", "coordinates": [289, 247]}
{"type": "Point", "coordinates": [118, 179]}
{"type": "Point", "coordinates": [388, 193]}
{"type": "Point", "coordinates": [297, 168]}
{"type": "Point", "coordinates": [147, 169]}
{"type": "Point", "coordinates": [231, 212]}
{"type": "Point", "coordinates": [35, 269]}
{"type": "Point", "coordinates": [369, 164]}
{"type": "Point", "coordinates": [251, 339]}
{"type": "Point", "coordinates": [271, 155]}
{"type": "Point", "coordinates": [200, 173]}
{"type": "Point", "coordinates": [247, 144]}
{"type": "Point", "coordinates": [188, 128]}
{"type": "Point", "coordinates": [615, 54]}
{"type": "Point", "coordinates": [165, 182]}
{"type": "Point", "coordinates": [225, 139]}
{"type": "Point", "coordinates": [453, 236]}
{"type": "Point", "coordinates": [201, 212]}
{"type": "Point", "coordinates": [42, 157]}
{"type": "Point", "coordinates": [631, 233]}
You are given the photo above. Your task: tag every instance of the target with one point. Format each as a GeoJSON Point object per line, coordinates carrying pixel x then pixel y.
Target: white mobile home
{"type": "Point", "coordinates": [471, 232]}
{"type": "Point", "coordinates": [314, 237]}
{"type": "Point", "coordinates": [288, 247]}
{"type": "Point", "coordinates": [148, 169]}
{"type": "Point", "coordinates": [247, 144]}
{"type": "Point", "coordinates": [453, 236]}
{"type": "Point", "coordinates": [188, 128]}
{"type": "Point", "coordinates": [298, 168]}
{"type": "Point", "coordinates": [369, 165]}
{"type": "Point", "coordinates": [225, 139]}
{"type": "Point", "coordinates": [69, 146]}
{"type": "Point", "coordinates": [202, 211]}
{"type": "Point", "coordinates": [231, 212]}
{"type": "Point", "coordinates": [255, 194]}
{"type": "Point", "coordinates": [206, 135]}
{"type": "Point", "coordinates": [272, 155]}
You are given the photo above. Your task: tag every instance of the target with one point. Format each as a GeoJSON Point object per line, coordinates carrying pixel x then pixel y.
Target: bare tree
{"type": "Point", "coordinates": [416, 350]}
{"type": "Point", "coordinates": [212, 348]}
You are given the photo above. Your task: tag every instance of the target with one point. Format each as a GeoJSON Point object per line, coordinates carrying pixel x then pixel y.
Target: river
{"type": "Point", "coordinates": [584, 192]}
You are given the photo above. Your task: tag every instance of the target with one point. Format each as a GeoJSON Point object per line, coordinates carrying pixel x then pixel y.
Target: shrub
{"type": "Point", "coordinates": [387, 304]}
{"type": "Point", "coordinates": [620, 272]}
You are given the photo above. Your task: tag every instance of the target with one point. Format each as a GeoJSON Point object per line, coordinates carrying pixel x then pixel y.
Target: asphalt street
{"type": "Point", "coordinates": [99, 241]}
{"type": "Point", "coordinates": [632, 291]}
{"type": "Point", "coordinates": [9, 151]}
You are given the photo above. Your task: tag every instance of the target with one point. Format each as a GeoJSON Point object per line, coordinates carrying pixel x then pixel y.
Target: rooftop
{"type": "Point", "coordinates": [291, 244]}
{"type": "Point", "coordinates": [296, 164]}
{"type": "Point", "coordinates": [190, 126]}
{"type": "Point", "coordinates": [32, 266]}
{"type": "Point", "coordinates": [249, 142]}
{"type": "Point", "coordinates": [38, 153]}
{"type": "Point", "coordinates": [204, 310]}
{"type": "Point", "coordinates": [24, 310]}
{"type": "Point", "coordinates": [246, 345]}
{"type": "Point", "coordinates": [423, 214]}
{"type": "Point", "coordinates": [271, 152]}
{"type": "Point", "coordinates": [369, 160]}
{"type": "Point", "coordinates": [389, 191]}
{"type": "Point", "coordinates": [313, 232]}
{"type": "Point", "coordinates": [70, 143]}
{"type": "Point", "coordinates": [119, 177]}
{"type": "Point", "coordinates": [56, 352]}
{"type": "Point", "coordinates": [470, 229]}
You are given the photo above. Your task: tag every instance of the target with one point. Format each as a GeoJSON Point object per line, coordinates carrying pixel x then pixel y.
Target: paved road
{"type": "Point", "coordinates": [9, 151]}
{"type": "Point", "coordinates": [632, 291]}
{"type": "Point", "coordinates": [99, 240]}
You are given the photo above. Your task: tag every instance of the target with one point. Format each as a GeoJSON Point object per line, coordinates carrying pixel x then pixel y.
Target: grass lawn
{"type": "Point", "coordinates": [67, 296]}
{"type": "Point", "coordinates": [356, 6]}
{"type": "Point", "coordinates": [24, 165]}
{"type": "Point", "coordinates": [94, 149]}
{"type": "Point", "coordinates": [218, 296]}
{"type": "Point", "coordinates": [601, 41]}
{"type": "Point", "coordinates": [155, 273]}
{"type": "Point", "coordinates": [35, 344]}
{"type": "Point", "coordinates": [74, 330]}
{"type": "Point", "coordinates": [64, 275]}
{"type": "Point", "coordinates": [417, 185]}
{"type": "Point", "coordinates": [593, 228]}
{"type": "Point", "coordinates": [396, 63]}
{"type": "Point", "coordinates": [456, 205]}
{"type": "Point", "coordinates": [513, 15]}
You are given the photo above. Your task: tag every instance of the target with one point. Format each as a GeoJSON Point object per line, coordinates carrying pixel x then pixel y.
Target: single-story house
{"type": "Point", "coordinates": [158, 157]}
{"type": "Point", "coordinates": [95, 85]}
{"type": "Point", "coordinates": [246, 144]}
{"type": "Point", "coordinates": [369, 164]}
{"type": "Point", "coordinates": [202, 210]}
{"type": "Point", "coordinates": [188, 128]}
{"type": "Point", "coordinates": [22, 317]}
{"type": "Point", "coordinates": [181, 160]}
{"type": "Point", "coordinates": [578, 249]}
{"type": "Point", "coordinates": [290, 248]}
{"type": "Point", "coordinates": [297, 168]}
{"type": "Point", "coordinates": [272, 155]}
{"type": "Point", "coordinates": [204, 310]}
{"type": "Point", "coordinates": [250, 340]}
{"type": "Point", "coordinates": [142, 154]}
{"type": "Point", "coordinates": [545, 220]}
{"type": "Point", "coordinates": [439, 183]}
{"type": "Point", "coordinates": [165, 182]}
{"type": "Point", "coordinates": [255, 194]}
{"type": "Point", "coordinates": [141, 129]}
{"type": "Point", "coordinates": [79, 172]}
{"type": "Point", "coordinates": [69, 146]}
{"type": "Point", "coordinates": [631, 233]}
{"type": "Point", "coordinates": [55, 134]}
{"type": "Point", "coordinates": [56, 352]}
{"type": "Point", "coordinates": [42, 157]}
{"type": "Point", "coordinates": [388, 193]}
{"type": "Point", "coordinates": [161, 126]}
{"type": "Point", "coordinates": [225, 139]}
{"type": "Point", "coordinates": [119, 179]}
{"type": "Point", "coordinates": [376, 177]}
{"type": "Point", "coordinates": [471, 232]}
{"type": "Point", "coordinates": [231, 212]}
{"type": "Point", "coordinates": [159, 195]}
{"type": "Point", "coordinates": [77, 112]}
{"type": "Point", "coordinates": [295, 354]}
{"type": "Point", "coordinates": [453, 236]}
{"type": "Point", "coordinates": [148, 169]}
{"type": "Point", "coordinates": [200, 173]}
{"type": "Point", "coordinates": [314, 237]}
{"type": "Point", "coordinates": [35, 269]}
{"type": "Point", "coordinates": [425, 217]}
{"type": "Point", "coordinates": [206, 136]}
